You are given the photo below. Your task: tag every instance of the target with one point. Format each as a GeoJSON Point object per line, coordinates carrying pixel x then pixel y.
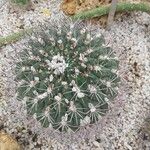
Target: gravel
{"type": "Point", "coordinates": [120, 129]}
{"type": "Point", "coordinates": [13, 19]}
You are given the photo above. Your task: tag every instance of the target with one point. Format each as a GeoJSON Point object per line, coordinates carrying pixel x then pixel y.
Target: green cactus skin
{"type": "Point", "coordinates": [67, 77]}
{"type": "Point", "coordinates": [104, 10]}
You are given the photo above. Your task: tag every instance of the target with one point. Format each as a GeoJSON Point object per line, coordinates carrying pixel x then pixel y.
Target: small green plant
{"type": "Point", "coordinates": [22, 2]}
{"type": "Point", "coordinates": [67, 76]}
{"type": "Point", "coordinates": [104, 10]}
{"type": "Point", "coordinates": [12, 38]}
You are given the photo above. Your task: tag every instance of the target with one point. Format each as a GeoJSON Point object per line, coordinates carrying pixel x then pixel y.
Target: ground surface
{"type": "Point", "coordinates": [71, 7]}
{"type": "Point", "coordinates": [121, 130]}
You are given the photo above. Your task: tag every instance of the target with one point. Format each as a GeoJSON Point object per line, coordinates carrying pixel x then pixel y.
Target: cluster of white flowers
{"type": "Point", "coordinates": [92, 107]}
{"type": "Point", "coordinates": [82, 58]}
{"type": "Point", "coordinates": [89, 51]}
{"type": "Point", "coordinates": [72, 107]}
{"type": "Point", "coordinates": [97, 68]}
{"type": "Point", "coordinates": [92, 89]}
{"type": "Point", "coordinates": [64, 120]}
{"type": "Point", "coordinates": [58, 64]}
{"type": "Point", "coordinates": [78, 91]}
{"type": "Point", "coordinates": [58, 98]}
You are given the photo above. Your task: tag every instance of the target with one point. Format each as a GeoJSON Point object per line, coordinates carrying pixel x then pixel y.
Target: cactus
{"type": "Point", "coordinates": [104, 10]}
{"type": "Point", "coordinates": [22, 2]}
{"type": "Point", "coordinates": [67, 76]}
{"type": "Point", "coordinates": [9, 39]}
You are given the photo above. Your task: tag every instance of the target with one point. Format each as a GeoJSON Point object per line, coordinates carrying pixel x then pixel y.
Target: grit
{"type": "Point", "coordinates": [120, 129]}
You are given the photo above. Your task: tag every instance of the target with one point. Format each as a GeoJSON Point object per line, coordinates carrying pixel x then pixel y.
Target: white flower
{"type": "Point", "coordinates": [92, 89]}
{"type": "Point", "coordinates": [64, 120]}
{"type": "Point", "coordinates": [80, 95]}
{"type": "Point", "coordinates": [69, 35]}
{"type": "Point", "coordinates": [51, 78]}
{"type": "Point", "coordinates": [52, 39]}
{"type": "Point", "coordinates": [97, 68]}
{"type": "Point", "coordinates": [64, 83]}
{"type": "Point", "coordinates": [82, 58]}
{"type": "Point", "coordinates": [77, 71]}
{"type": "Point", "coordinates": [83, 65]}
{"type": "Point", "coordinates": [59, 41]}
{"type": "Point", "coordinates": [74, 40]}
{"type": "Point", "coordinates": [66, 100]}
{"type": "Point", "coordinates": [108, 84]}
{"type": "Point", "coordinates": [82, 31]}
{"type": "Point", "coordinates": [35, 101]}
{"type": "Point", "coordinates": [89, 51]}
{"type": "Point", "coordinates": [40, 40]}
{"type": "Point", "coordinates": [58, 64]}
{"type": "Point", "coordinates": [42, 96]}
{"type": "Point", "coordinates": [103, 57]}
{"type": "Point", "coordinates": [76, 89]}
{"type": "Point", "coordinates": [57, 98]}
{"type": "Point", "coordinates": [41, 51]}
{"type": "Point", "coordinates": [23, 68]}
{"type": "Point", "coordinates": [88, 36]}
{"type": "Point", "coordinates": [73, 83]}
{"type": "Point", "coordinates": [40, 71]}
{"type": "Point", "coordinates": [25, 98]}
{"type": "Point", "coordinates": [35, 92]}
{"type": "Point", "coordinates": [106, 99]}
{"type": "Point", "coordinates": [36, 79]}
{"type": "Point", "coordinates": [48, 62]}
{"type": "Point", "coordinates": [98, 35]}
{"type": "Point", "coordinates": [59, 32]}
{"type": "Point", "coordinates": [92, 107]}
{"type": "Point", "coordinates": [33, 69]}
{"type": "Point", "coordinates": [72, 106]}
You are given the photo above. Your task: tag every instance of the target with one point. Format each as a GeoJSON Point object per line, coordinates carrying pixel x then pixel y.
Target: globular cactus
{"type": "Point", "coordinates": [67, 76]}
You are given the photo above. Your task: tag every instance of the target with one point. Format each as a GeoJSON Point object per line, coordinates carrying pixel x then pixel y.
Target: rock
{"type": "Point", "coordinates": [46, 12]}
{"type": "Point", "coordinates": [7, 142]}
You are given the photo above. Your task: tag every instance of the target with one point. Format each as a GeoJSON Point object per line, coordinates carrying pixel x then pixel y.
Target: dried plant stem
{"type": "Point", "coordinates": [111, 13]}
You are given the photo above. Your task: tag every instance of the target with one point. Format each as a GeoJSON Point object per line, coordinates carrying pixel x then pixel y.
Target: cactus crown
{"type": "Point", "coordinates": [66, 77]}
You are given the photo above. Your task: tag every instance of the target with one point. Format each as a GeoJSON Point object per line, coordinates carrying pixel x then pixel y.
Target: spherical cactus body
{"type": "Point", "coordinates": [67, 76]}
